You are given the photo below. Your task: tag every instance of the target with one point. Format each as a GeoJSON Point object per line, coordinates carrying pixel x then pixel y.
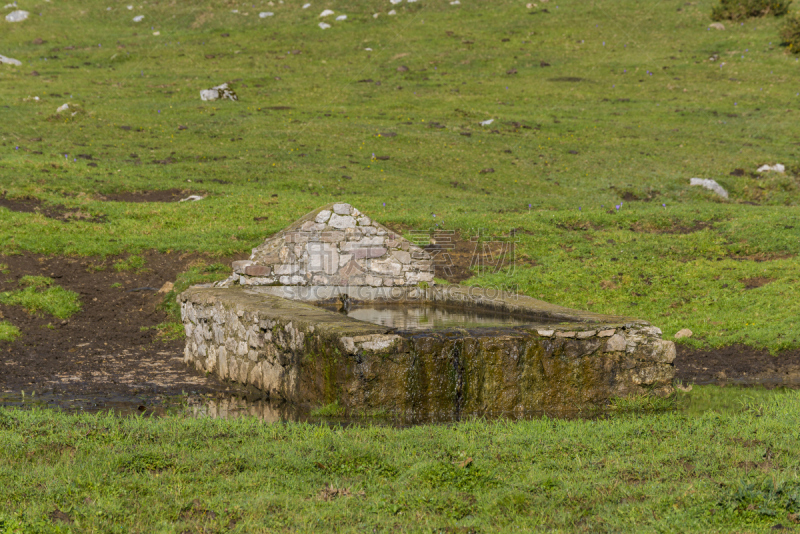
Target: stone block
{"type": "Point", "coordinates": [322, 257]}
{"type": "Point", "coordinates": [342, 222]}
{"type": "Point", "coordinates": [402, 256]}
{"type": "Point", "coordinates": [370, 252]}
{"type": "Point", "coordinates": [606, 333]}
{"type": "Point", "coordinates": [342, 209]}
{"type": "Point", "coordinates": [386, 266]}
{"type": "Point", "coordinates": [257, 270]}
{"type": "Point", "coordinates": [364, 221]}
{"type": "Point", "coordinates": [331, 237]}
{"type": "Point", "coordinates": [323, 216]}
{"type": "Point", "coordinates": [239, 266]}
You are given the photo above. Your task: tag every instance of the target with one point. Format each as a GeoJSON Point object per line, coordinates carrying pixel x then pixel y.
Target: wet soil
{"type": "Point", "coordinates": [110, 346]}
{"type": "Point", "coordinates": [737, 364]}
{"type": "Point", "coordinates": [51, 211]}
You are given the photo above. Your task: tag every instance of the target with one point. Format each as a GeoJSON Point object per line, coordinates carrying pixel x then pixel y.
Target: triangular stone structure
{"type": "Point", "coordinates": [336, 245]}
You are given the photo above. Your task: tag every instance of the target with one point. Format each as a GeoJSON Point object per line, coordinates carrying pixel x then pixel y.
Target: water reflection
{"type": "Point", "coordinates": [701, 399]}
{"type": "Point", "coordinates": [427, 317]}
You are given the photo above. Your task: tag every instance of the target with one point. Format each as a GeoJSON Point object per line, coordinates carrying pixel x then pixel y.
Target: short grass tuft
{"type": "Point", "coordinates": [8, 332]}
{"type": "Point", "coordinates": [131, 263]}
{"type": "Point", "coordinates": [40, 295]}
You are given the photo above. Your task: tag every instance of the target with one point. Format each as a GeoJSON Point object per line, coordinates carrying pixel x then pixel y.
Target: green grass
{"type": "Point", "coordinates": [8, 332]}
{"type": "Point", "coordinates": [131, 263]}
{"type": "Point", "coordinates": [655, 107]}
{"type": "Point", "coordinates": [666, 472]}
{"type": "Point", "coordinates": [39, 295]}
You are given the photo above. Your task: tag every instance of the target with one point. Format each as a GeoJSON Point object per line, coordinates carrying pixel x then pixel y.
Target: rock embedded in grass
{"type": "Point", "coordinates": [711, 185]}
{"type": "Point", "coordinates": [17, 16]}
{"type": "Point", "coordinates": [10, 61]}
{"type": "Point", "coordinates": [220, 92]}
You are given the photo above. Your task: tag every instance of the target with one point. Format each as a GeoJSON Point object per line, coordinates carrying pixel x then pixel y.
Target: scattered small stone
{"type": "Point", "coordinates": [167, 287]}
{"type": "Point", "coordinates": [326, 13]}
{"type": "Point", "coordinates": [218, 92]}
{"type": "Point", "coordinates": [265, 14]}
{"type": "Point", "coordinates": [393, 2]}
{"type": "Point", "coordinates": [683, 333]}
{"type": "Point", "coordinates": [17, 16]}
{"type": "Point", "coordinates": [772, 168]}
{"type": "Point", "coordinates": [138, 18]}
{"type": "Point", "coordinates": [392, 12]}
{"type": "Point", "coordinates": [192, 198]}
{"type": "Point", "coordinates": [717, 26]}
{"type": "Point", "coordinates": [63, 107]}
{"type": "Point", "coordinates": [324, 26]}
{"type": "Point", "coordinates": [10, 61]}
{"type": "Point", "coordinates": [306, 6]}
{"type": "Point", "coordinates": [487, 122]}
{"type": "Point", "coordinates": [341, 17]}
{"type": "Point", "coordinates": [711, 185]}
{"type": "Point", "coordinates": [455, 3]}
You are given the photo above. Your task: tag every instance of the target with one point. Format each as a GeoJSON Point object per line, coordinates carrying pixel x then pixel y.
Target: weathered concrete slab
{"type": "Point", "coordinates": [293, 350]}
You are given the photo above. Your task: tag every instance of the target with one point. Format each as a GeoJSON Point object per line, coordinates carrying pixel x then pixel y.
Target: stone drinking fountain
{"type": "Point", "coordinates": [337, 308]}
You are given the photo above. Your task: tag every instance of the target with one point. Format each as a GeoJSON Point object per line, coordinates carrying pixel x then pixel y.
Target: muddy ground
{"type": "Point", "coordinates": [110, 348]}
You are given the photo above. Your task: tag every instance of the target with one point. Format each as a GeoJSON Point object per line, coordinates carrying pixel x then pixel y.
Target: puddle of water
{"type": "Point", "coordinates": [427, 317]}
{"type": "Point", "coordinates": [729, 399]}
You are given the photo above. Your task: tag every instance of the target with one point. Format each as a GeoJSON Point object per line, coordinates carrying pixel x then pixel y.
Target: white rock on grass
{"type": "Point", "coordinates": [341, 17]}
{"type": "Point", "coordinates": [711, 185]}
{"type": "Point", "coordinates": [772, 168]}
{"type": "Point", "coordinates": [376, 15]}
{"type": "Point", "coordinates": [487, 122]}
{"type": "Point", "coordinates": [455, 3]}
{"type": "Point", "coordinates": [306, 6]}
{"type": "Point", "coordinates": [395, 1]}
{"type": "Point", "coordinates": [63, 107]}
{"type": "Point", "coordinates": [10, 61]}
{"type": "Point", "coordinates": [17, 16]}
{"type": "Point", "coordinates": [392, 12]}
{"type": "Point", "coordinates": [717, 26]}
{"type": "Point", "coordinates": [192, 198]}
{"type": "Point", "coordinates": [219, 92]}
{"type": "Point", "coordinates": [324, 26]}
{"type": "Point", "coordinates": [685, 332]}
{"type": "Point", "coordinates": [265, 14]}
{"type": "Point", "coordinates": [138, 18]}
{"type": "Point", "coordinates": [130, 8]}
{"type": "Point", "coordinates": [326, 13]}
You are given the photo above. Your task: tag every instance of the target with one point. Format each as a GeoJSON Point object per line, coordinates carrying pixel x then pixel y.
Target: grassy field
{"type": "Point", "coordinates": [631, 473]}
{"type": "Point", "coordinates": [637, 99]}
{"type": "Point", "coordinates": [602, 111]}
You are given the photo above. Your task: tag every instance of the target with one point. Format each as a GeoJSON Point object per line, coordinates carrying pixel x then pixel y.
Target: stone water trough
{"type": "Point", "coordinates": [337, 308]}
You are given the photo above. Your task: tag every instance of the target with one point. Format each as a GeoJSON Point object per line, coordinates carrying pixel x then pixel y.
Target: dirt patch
{"type": "Point", "coordinates": [756, 281]}
{"type": "Point", "coordinates": [110, 347]}
{"type": "Point", "coordinates": [162, 195]}
{"type": "Point", "coordinates": [57, 212]}
{"type": "Point", "coordinates": [737, 364]}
